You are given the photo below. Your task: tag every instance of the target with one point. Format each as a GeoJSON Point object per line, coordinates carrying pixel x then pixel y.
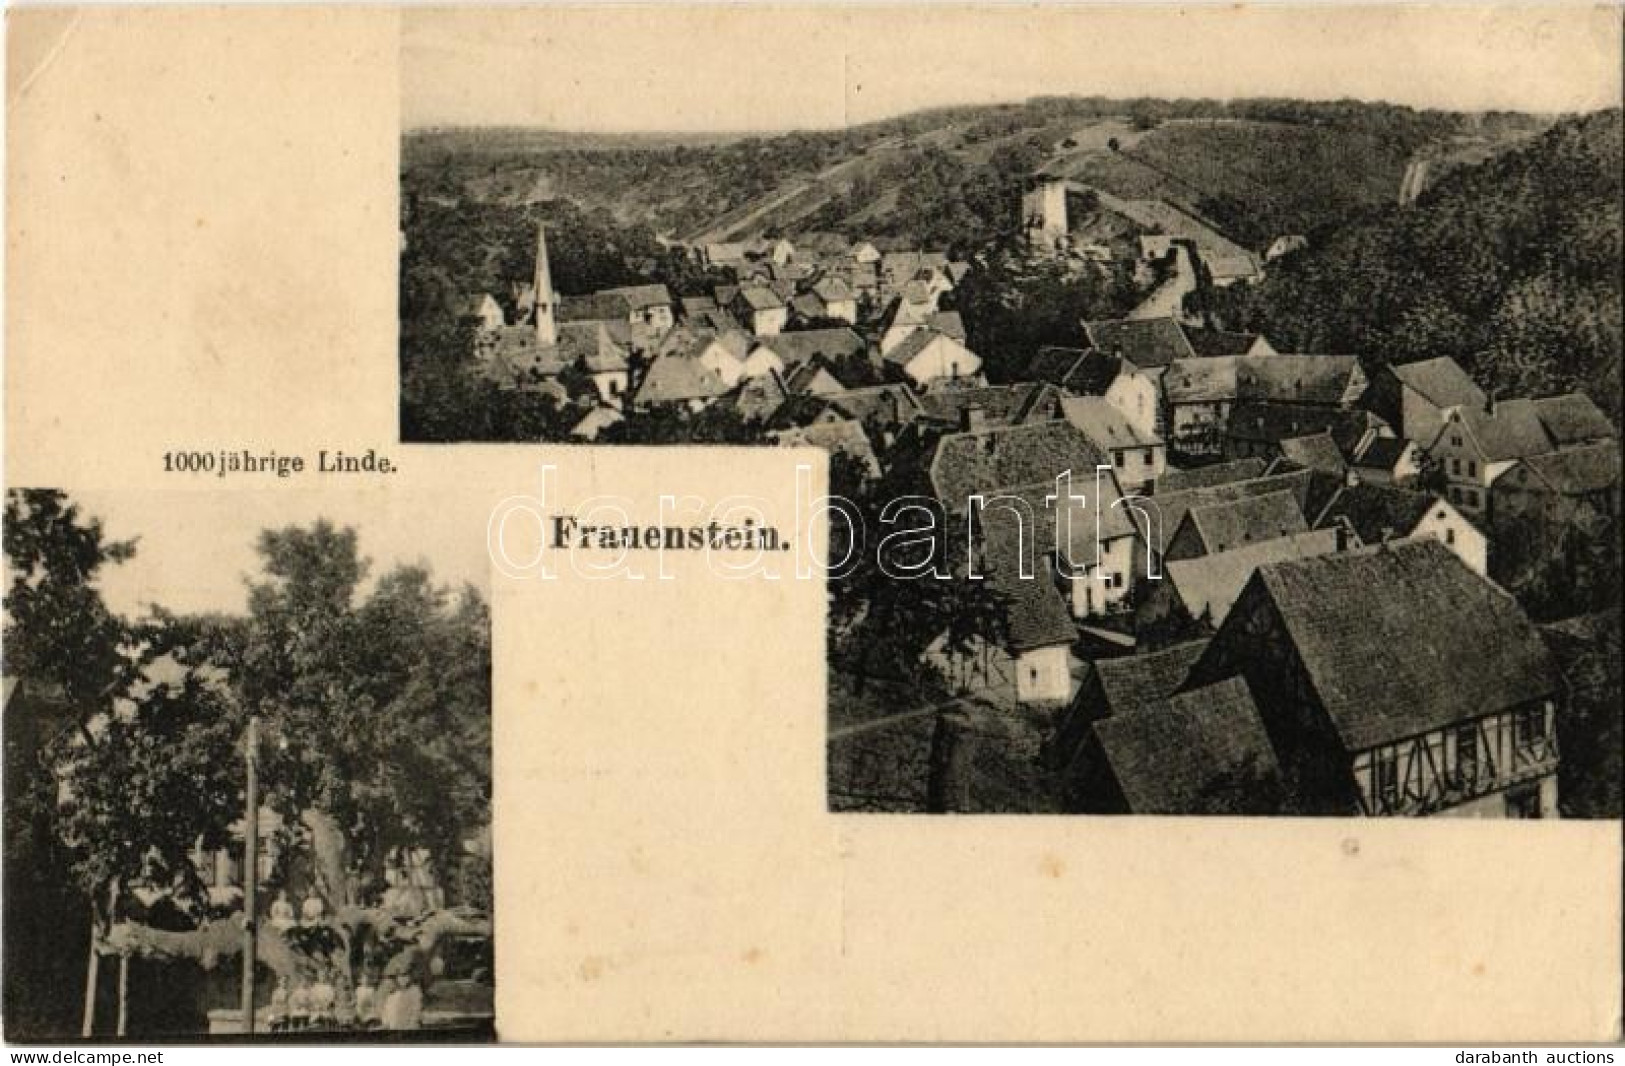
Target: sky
{"type": "Point", "coordinates": [196, 548]}
{"type": "Point", "coordinates": [730, 68]}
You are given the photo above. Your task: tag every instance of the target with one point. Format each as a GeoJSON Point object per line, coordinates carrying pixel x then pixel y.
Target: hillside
{"type": "Point", "coordinates": [1260, 168]}
{"type": "Point", "coordinates": [1511, 267]}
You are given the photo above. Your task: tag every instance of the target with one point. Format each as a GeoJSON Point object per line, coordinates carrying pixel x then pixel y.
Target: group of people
{"type": "Point", "coordinates": [327, 1002]}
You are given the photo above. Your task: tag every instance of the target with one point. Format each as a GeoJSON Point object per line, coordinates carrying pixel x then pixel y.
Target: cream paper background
{"type": "Point", "coordinates": [201, 252]}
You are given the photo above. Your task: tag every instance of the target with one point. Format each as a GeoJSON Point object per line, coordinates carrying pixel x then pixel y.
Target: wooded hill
{"type": "Point", "coordinates": [1259, 168]}
{"type": "Point", "coordinates": [1511, 267]}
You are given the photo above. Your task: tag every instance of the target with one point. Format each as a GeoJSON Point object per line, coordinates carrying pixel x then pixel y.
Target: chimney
{"type": "Point", "coordinates": [1341, 528]}
{"type": "Point", "coordinates": [972, 418]}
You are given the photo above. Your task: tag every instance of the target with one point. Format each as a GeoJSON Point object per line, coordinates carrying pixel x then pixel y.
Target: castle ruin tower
{"type": "Point", "coordinates": [544, 312]}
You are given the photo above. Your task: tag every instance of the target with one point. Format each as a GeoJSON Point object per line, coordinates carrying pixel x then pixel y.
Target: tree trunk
{"type": "Point", "coordinates": [91, 968]}
{"type": "Point", "coordinates": [123, 994]}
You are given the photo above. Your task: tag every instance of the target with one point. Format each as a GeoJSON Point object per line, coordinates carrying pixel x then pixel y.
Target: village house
{"type": "Point", "coordinates": [843, 437]}
{"type": "Point", "coordinates": [1159, 525]}
{"type": "Point", "coordinates": [1416, 398]}
{"type": "Point", "coordinates": [1376, 514]}
{"type": "Point", "coordinates": [784, 352]}
{"type": "Point", "coordinates": [927, 355]}
{"type": "Point", "coordinates": [1387, 461]}
{"type": "Point", "coordinates": [813, 377]}
{"type": "Point", "coordinates": [482, 312]}
{"type": "Point", "coordinates": [761, 309]}
{"type": "Point", "coordinates": [1143, 349]}
{"type": "Point", "coordinates": [1477, 445]}
{"type": "Point", "coordinates": [1206, 586]}
{"type": "Point", "coordinates": [961, 405]}
{"type": "Point", "coordinates": [1223, 525]}
{"type": "Point", "coordinates": [1202, 751]}
{"type": "Point", "coordinates": [676, 379]}
{"type": "Point", "coordinates": [1369, 671]}
{"type": "Point", "coordinates": [1315, 451]}
{"type": "Point", "coordinates": [649, 306]}
{"type": "Point", "coordinates": [1136, 459]}
{"type": "Point", "coordinates": [836, 298]}
{"type": "Point", "coordinates": [1543, 501]}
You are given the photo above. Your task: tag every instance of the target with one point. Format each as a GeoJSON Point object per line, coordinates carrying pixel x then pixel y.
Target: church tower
{"type": "Point", "coordinates": [544, 310]}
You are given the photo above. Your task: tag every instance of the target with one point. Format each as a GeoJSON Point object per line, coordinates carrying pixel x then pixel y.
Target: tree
{"type": "Point", "coordinates": [134, 773]}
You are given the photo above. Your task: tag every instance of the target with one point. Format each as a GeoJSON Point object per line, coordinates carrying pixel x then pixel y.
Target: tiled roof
{"type": "Point", "coordinates": [1213, 342]}
{"type": "Point", "coordinates": [597, 307]}
{"type": "Point", "coordinates": [948, 323]}
{"type": "Point", "coordinates": [1305, 379]}
{"type": "Point", "coordinates": [1442, 382]}
{"type": "Point", "coordinates": [1270, 423]}
{"type": "Point", "coordinates": [760, 297]}
{"type": "Point", "coordinates": [1511, 430]}
{"type": "Point", "coordinates": [674, 378]}
{"type": "Point", "coordinates": [1394, 639]}
{"type": "Point", "coordinates": [889, 405]}
{"type": "Point", "coordinates": [759, 397]}
{"type": "Point", "coordinates": [1036, 453]}
{"type": "Point", "coordinates": [813, 376]}
{"type": "Point", "coordinates": [641, 296]}
{"type": "Point", "coordinates": [846, 437]}
{"type": "Point", "coordinates": [1000, 404]}
{"type": "Point", "coordinates": [1383, 453]}
{"type": "Point", "coordinates": [1318, 451]}
{"type": "Point", "coordinates": [1211, 583]}
{"type": "Point", "coordinates": [798, 346]}
{"type": "Point", "coordinates": [1200, 477]}
{"type": "Point", "coordinates": [1173, 506]}
{"type": "Point", "coordinates": [1573, 419]}
{"type": "Point", "coordinates": [1201, 752]}
{"type": "Point", "coordinates": [1228, 524]}
{"type": "Point", "coordinates": [1147, 343]}
{"type": "Point", "coordinates": [1208, 380]}
{"type": "Point", "coordinates": [1103, 423]}
{"type": "Point", "coordinates": [509, 355]}
{"type": "Point", "coordinates": [1580, 470]}
{"type": "Point", "coordinates": [831, 289]}
{"type": "Point", "coordinates": [1138, 683]}
{"type": "Point", "coordinates": [1377, 512]}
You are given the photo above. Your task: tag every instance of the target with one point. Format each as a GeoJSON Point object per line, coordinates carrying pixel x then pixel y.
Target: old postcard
{"type": "Point", "coordinates": [517, 517]}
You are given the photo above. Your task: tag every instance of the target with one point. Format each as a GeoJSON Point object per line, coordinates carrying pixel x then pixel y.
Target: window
{"type": "Point", "coordinates": [1467, 754]}
{"type": "Point", "coordinates": [1117, 459]}
{"type": "Point", "coordinates": [1470, 496]}
{"type": "Point", "coordinates": [1523, 802]}
{"type": "Point", "coordinates": [1147, 458]}
{"type": "Point", "coordinates": [1528, 726]}
{"type": "Point", "coordinates": [1449, 536]}
{"type": "Point", "coordinates": [1472, 468]}
{"type": "Point", "coordinates": [1385, 776]}
{"type": "Point", "coordinates": [1455, 439]}
{"type": "Point", "coordinates": [1455, 467]}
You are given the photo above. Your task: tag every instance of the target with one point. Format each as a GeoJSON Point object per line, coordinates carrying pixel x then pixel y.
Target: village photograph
{"type": "Point", "coordinates": [1347, 358]}
{"type": "Point", "coordinates": [247, 771]}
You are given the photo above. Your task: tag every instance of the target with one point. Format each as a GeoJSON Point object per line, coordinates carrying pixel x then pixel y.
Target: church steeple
{"type": "Point", "coordinates": [543, 314]}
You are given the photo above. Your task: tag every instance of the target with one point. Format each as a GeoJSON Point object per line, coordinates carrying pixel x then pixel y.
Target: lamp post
{"type": "Point", "coordinates": [251, 869]}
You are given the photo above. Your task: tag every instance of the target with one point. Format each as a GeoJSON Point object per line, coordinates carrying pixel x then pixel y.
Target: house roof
{"type": "Point", "coordinates": [1510, 430]}
{"type": "Point", "coordinates": [1580, 470]}
{"type": "Point", "coordinates": [1393, 639]}
{"type": "Point", "coordinates": [1207, 380]}
{"type": "Point", "coordinates": [595, 422]}
{"type": "Point", "coordinates": [641, 297]}
{"type": "Point", "coordinates": [1103, 423]}
{"type": "Point", "coordinates": [1378, 512]}
{"type": "Point", "coordinates": [1573, 419]}
{"type": "Point", "coordinates": [798, 346]}
{"type": "Point", "coordinates": [846, 437]}
{"type": "Point", "coordinates": [906, 350]}
{"type": "Point", "coordinates": [1134, 684]}
{"type": "Point", "coordinates": [1226, 524]}
{"type": "Point", "coordinates": [594, 307]}
{"type": "Point", "coordinates": [889, 405]}
{"type": "Point", "coordinates": [832, 289]}
{"type": "Point", "coordinates": [1001, 528]}
{"type": "Point", "coordinates": [1216, 342]}
{"type": "Point", "coordinates": [1172, 507]}
{"type": "Point", "coordinates": [1204, 751]}
{"type": "Point", "coordinates": [510, 355]}
{"type": "Point", "coordinates": [807, 305]}
{"type": "Point", "coordinates": [947, 323]}
{"type": "Point", "coordinates": [758, 398]}
{"type": "Point", "coordinates": [672, 378]}
{"type": "Point", "coordinates": [1199, 477]}
{"type": "Point", "coordinates": [1000, 404]}
{"type": "Point", "coordinates": [1211, 583]}
{"type": "Point", "coordinates": [1036, 453]}
{"type": "Point", "coordinates": [725, 252]}
{"type": "Point", "coordinates": [813, 376]}
{"type": "Point", "coordinates": [1036, 614]}
{"type": "Point", "coordinates": [1318, 451]}
{"type": "Point", "coordinates": [1148, 343]}
{"type": "Point", "coordinates": [1265, 422]}
{"type": "Point", "coordinates": [1382, 453]}
{"type": "Point", "coordinates": [1306, 379]}
{"type": "Point", "coordinates": [1442, 382]}
{"type": "Point", "coordinates": [760, 297]}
